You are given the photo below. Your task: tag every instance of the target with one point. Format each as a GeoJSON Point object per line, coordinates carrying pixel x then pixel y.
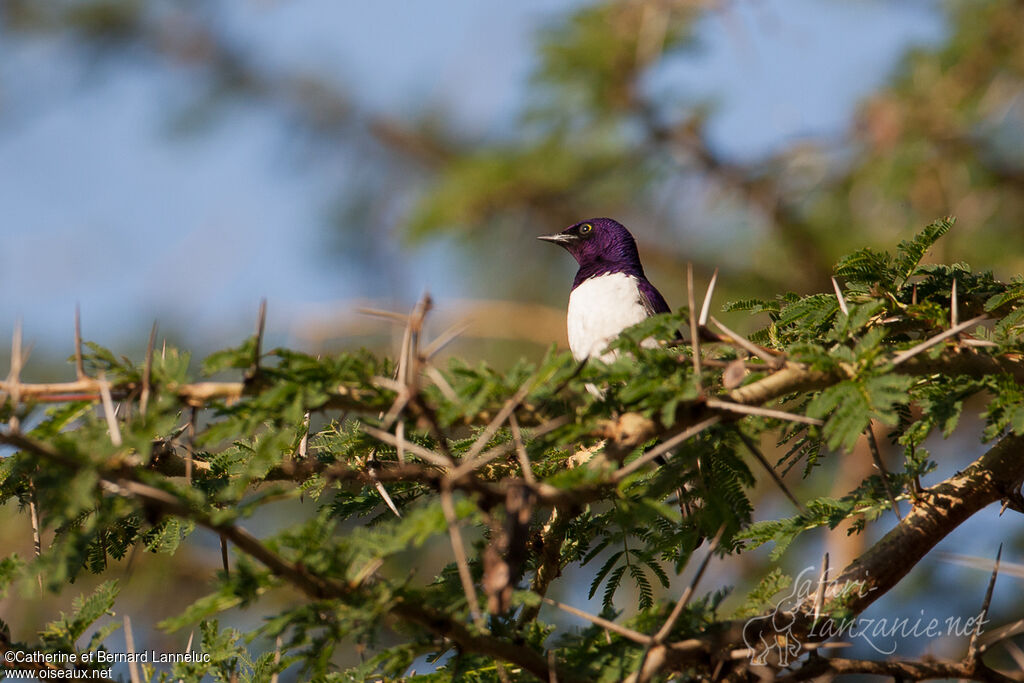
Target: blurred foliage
{"type": "Point", "coordinates": [595, 137]}
{"type": "Point", "coordinates": [946, 138]}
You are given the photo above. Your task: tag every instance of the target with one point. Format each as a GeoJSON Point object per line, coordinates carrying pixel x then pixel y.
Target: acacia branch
{"type": "Point", "coordinates": [311, 584]}
{"type": "Point", "coordinates": [319, 588]}
{"type": "Point", "coordinates": [997, 474]}
{"type": "Point", "coordinates": [942, 508]}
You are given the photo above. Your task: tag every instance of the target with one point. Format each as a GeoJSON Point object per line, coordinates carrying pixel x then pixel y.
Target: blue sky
{"type": "Point", "coordinates": [103, 203]}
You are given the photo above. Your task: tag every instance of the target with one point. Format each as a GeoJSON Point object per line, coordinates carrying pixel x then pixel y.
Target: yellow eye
{"type": "Point", "coordinates": [586, 228]}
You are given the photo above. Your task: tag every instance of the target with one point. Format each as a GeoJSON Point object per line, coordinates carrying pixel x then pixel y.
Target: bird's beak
{"type": "Point", "coordinates": [559, 238]}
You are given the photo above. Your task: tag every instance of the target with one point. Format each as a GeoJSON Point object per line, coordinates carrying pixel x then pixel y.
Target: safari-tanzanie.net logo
{"type": "Point", "coordinates": [772, 638]}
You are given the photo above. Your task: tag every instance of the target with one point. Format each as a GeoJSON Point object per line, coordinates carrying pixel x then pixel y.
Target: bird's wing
{"type": "Point", "coordinates": [650, 298]}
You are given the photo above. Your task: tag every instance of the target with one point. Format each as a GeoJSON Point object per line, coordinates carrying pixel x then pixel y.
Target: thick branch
{"type": "Point", "coordinates": [995, 475]}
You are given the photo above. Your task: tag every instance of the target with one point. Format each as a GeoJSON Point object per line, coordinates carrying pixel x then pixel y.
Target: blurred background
{"type": "Point", "coordinates": [179, 160]}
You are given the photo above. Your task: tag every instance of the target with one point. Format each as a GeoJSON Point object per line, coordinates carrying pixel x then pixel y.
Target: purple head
{"type": "Point", "coordinates": [599, 245]}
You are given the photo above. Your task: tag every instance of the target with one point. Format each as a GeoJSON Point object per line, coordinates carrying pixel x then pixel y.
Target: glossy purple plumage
{"type": "Point", "coordinates": [608, 248]}
{"type": "Point", "coordinates": [610, 291]}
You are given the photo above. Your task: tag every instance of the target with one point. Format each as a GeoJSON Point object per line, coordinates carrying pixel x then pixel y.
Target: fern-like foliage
{"type": "Point", "coordinates": [488, 514]}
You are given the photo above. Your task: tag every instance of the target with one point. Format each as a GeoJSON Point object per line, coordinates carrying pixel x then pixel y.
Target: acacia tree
{"type": "Point", "coordinates": [527, 473]}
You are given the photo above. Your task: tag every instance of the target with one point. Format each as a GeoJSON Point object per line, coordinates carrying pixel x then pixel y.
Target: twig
{"type": "Point", "coordinates": [37, 541]}
{"type": "Point", "coordinates": [428, 455]}
{"type": "Point", "coordinates": [400, 438]}
{"type": "Point", "coordinates": [401, 401]}
{"type": "Point", "coordinates": [385, 495]}
{"type": "Point", "coordinates": [575, 373]}
{"type": "Point", "coordinates": [318, 587]}
{"type": "Point", "coordinates": [224, 555]}
{"type": "Point", "coordinates": [524, 458]}
{"type": "Point", "coordinates": [954, 306]}
{"type": "Point", "coordinates": [416, 321]}
{"type": "Point", "coordinates": [373, 463]}
{"type": "Point", "coordinates": [774, 361]}
{"type": "Point", "coordinates": [402, 375]}
{"type": "Point", "coordinates": [1015, 652]}
{"type": "Point", "coordinates": [501, 449]}
{"type": "Point", "coordinates": [79, 363]}
{"type": "Point", "coordinates": [663, 448]}
{"type": "Point", "coordinates": [694, 337]}
{"type": "Point", "coordinates": [840, 297]}
{"type": "Point", "coordinates": [549, 559]}
{"type": "Point", "coordinates": [129, 645]}
{"type": "Point", "coordinates": [644, 673]}
{"type": "Point", "coordinates": [972, 648]}
{"type": "Point", "coordinates": [506, 411]}
{"type": "Point", "coordinates": [441, 383]}
{"type": "Point", "coordinates": [756, 452]}
{"type": "Point", "coordinates": [1013, 569]}
{"type": "Point", "coordinates": [108, 411]}
{"type": "Point", "coordinates": [979, 343]}
{"type": "Point", "coordinates": [705, 309]}
{"type": "Point", "coordinates": [14, 385]}
{"type": "Point", "coordinates": [718, 404]}
{"type": "Point", "coordinates": [435, 428]}
{"type": "Point", "coordinates": [877, 457]}
{"type": "Point", "coordinates": [469, 460]}
{"type": "Point", "coordinates": [623, 631]}
{"type": "Point", "coordinates": [684, 599]}
{"type": "Point", "coordinates": [261, 326]}
{"type": "Point", "coordinates": [819, 599]}
{"type": "Point", "coordinates": [190, 449]}
{"type": "Point", "coordinates": [401, 318]}
{"type": "Point", "coordinates": [459, 550]}
{"type": "Point", "coordinates": [904, 356]}
{"type": "Point", "coordinates": [147, 372]}
{"type": "Point", "coordinates": [167, 502]}
{"type": "Point", "coordinates": [304, 441]}
{"type": "Point", "coordinates": [444, 339]}
{"type": "Point", "coordinates": [278, 642]}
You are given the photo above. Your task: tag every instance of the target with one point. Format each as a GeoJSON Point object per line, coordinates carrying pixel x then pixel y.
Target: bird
{"type": "Point", "coordinates": [610, 292]}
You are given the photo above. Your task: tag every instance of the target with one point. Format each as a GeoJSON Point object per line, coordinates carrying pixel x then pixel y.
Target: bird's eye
{"type": "Point", "coordinates": [586, 228]}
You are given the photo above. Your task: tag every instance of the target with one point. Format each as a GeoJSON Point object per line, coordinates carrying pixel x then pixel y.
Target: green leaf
{"type": "Point", "coordinates": [864, 266]}
{"type": "Point", "coordinates": [63, 632]}
{"type": "Point", "coordinates": [603, 571]}
{"type": "Point", "coordinates": [758, 600]}
{"type": "Point", "coordinates": [848, 407]}
{"type": "Point", "coordinates": [910, 253]}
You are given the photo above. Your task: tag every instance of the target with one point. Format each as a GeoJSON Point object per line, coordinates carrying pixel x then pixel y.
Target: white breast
{"type": "Point", "coordinates": [599, 309]}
